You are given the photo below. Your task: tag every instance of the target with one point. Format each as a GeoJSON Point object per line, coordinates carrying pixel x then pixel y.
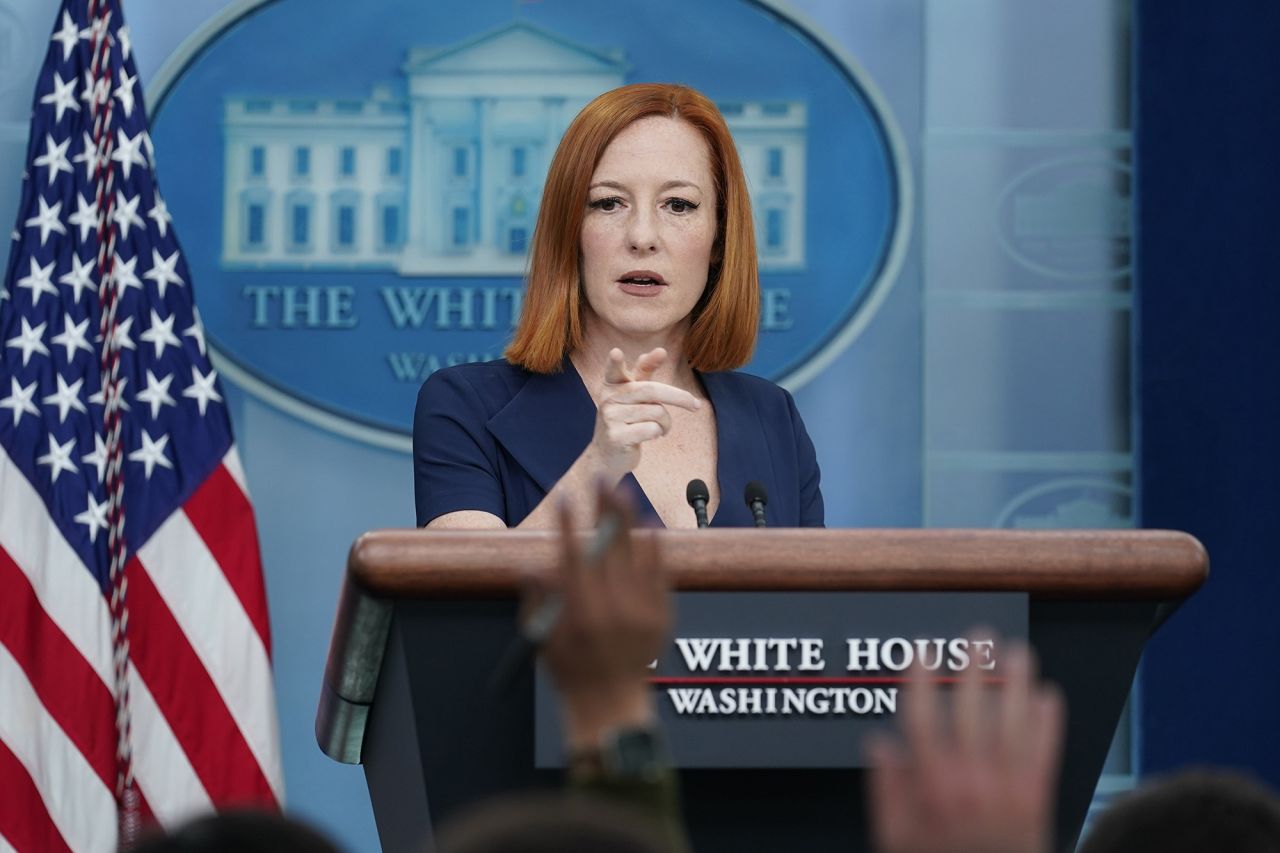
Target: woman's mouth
{"type": "Point", "coordinates": [641, 283]}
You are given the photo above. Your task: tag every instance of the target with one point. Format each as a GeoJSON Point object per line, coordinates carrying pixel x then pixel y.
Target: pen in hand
{"type": "Point", "coordinates": [537, 627]}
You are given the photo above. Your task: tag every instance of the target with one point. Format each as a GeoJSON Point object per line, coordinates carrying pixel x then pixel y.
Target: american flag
{"type": "Point", "coordinates": [135, 656]}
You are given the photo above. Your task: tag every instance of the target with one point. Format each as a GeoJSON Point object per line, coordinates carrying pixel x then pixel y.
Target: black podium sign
{"type": "Point", "coordinates": [798, 679]}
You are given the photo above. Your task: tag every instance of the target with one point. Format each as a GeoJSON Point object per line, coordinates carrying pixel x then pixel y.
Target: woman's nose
{"type": "Point", "coordinates": [642, 234]}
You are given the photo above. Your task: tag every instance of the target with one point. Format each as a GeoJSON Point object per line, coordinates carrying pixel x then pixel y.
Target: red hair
{"type": "Point", "coordinates": [723, 333]}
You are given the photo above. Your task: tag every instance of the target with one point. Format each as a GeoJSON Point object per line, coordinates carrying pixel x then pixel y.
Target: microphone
{"type": "Point", "coordinates": [756, 498]}
{"type": "Point", "coordinates": [697, 495]}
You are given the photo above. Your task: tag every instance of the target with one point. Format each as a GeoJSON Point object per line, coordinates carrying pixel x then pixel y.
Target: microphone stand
{"type": "Point", "coordinates": [697, 494]}
{"type": "Point", "coordinates": [756, 498]}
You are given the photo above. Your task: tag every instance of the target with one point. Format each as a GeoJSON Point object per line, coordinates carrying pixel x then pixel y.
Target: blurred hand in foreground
{"type": "Point", "coordinates": [615, 615]}
{"type": "Point", "coordinates": [979, 777]}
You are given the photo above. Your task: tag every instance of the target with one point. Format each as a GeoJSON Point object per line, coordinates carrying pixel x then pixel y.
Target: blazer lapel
{"type": "Point", "coordinates": [547, 424]}
{"type": "Point", "coordinates": [740, 444]}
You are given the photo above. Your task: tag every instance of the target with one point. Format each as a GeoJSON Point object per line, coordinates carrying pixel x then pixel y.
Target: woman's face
{"type": "Point", "coordinates": [649, 228]}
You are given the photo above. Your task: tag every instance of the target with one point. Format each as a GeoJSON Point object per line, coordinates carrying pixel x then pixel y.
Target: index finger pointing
{"type": "Point", "coordinates": [656, 392]}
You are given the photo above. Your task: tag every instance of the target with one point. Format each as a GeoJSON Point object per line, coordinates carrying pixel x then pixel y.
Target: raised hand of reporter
{"type": "Point", "coordinates": [615, 615]}
{"type": "Point", "coordinates": [632, 409]}
{"type": "Point", "coordinates": [978, 776]}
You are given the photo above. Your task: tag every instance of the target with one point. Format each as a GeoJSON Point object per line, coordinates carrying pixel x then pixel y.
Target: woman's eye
{"type": "Point", "coordinates": [680, 205]}
{"type": "Point", "coordinates": [608, 205]}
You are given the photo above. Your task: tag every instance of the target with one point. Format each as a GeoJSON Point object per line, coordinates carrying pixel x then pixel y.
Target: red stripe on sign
{"type": "Point", "coordinates": [221, 514]}
{"type": "Point", "coordinates": [801, 680]}
{"type": "Point", "coordinates": [67, 685]}
{"type": "Point", "coordinates": [189, 699]}
{"type": "Point", "coordinates": [24, 821]}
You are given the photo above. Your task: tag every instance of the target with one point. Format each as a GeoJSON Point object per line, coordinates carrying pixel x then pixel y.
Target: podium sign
{"type": "Point", "coordinates": [799, 679]}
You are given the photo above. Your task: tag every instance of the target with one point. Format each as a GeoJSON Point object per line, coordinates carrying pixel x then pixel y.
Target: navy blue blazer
{"type": "Point", "coordinates": [495, 437]}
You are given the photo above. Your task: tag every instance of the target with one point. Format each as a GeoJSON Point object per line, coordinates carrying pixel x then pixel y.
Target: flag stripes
{"type": "Point", "coordinates": [67, 593]}
{"type": "Point", "coordinates": [80, 806]}
{"type": "Point", "coordinates": [70, 692]}
{"type": "Point", "coordinates": [190, 701]}
{"type": "Point", "coordinates": [73, 694]}
{"type": "Point", "coordinates": [220, 511]}
{"type": "Point", "coordinates": [24, 822]}
{"type": "Point", "coordinates": [218, 630]}
{"type": "Point", "coordinates": [160, 765]}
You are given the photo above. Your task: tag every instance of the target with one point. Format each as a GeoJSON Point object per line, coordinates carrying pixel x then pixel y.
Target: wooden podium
{"type": "Point", "coordinates": [424, 617]}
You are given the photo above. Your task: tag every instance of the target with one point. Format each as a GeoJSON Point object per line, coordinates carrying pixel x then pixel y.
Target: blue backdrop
{"type": "Point", "coordinates": [1209, 368]}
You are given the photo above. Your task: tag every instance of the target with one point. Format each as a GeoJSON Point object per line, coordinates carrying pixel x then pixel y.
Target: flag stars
{"type": "Point", "coordinates": [94, 31]}
{"type": "Point", "coordinates": [126, 44]}
{"type": "Point", "coordinates": [31, 340]}
{"type": "Point", "coordinates": [58, 458]}
{"type": "Point", "coordinates": [66, 398]}
{"type": "Point", "coordinates": [124, 92]}
{"type": "Point", "coordinates": [156, 394]}
{"type": "Point", "coordinates": [127, 152]}
{"type": "Point", "coordinates": [89, 157]}
{"type": "Point", "coordinates": [202, 388]}
{"type": "Point", "coordinates": [79, 278]}
{"type": "Point", "coordinates": [38, 281]}
{"type": "Point", "coordinates": [123, 274]}
{"type": "Point", "coordinates": [151, 453]}
{"type": "Point", "coordinates": [85, 218]}
{"type": "Point", "coordinates": [63, 96]}
{"type": "Point", "coordinates": [161, 335]}
{"type": "Point", "coordinates": [49, 219]}
{"type": "Point", "coordinates": [126, 213]}
{"type": "Point", "coordinates": [19, 400]}
{"type": "Point", "coordinates": [98, 458]}
{"type": "Point", "coordinates": [162, 271]}
{"type": "Point", "coordinates": [54, 158]}
{"type": "Point", "coordinates": [73, 337]}
{"type": "Point", "coordinates": [160, 213]}
{"type": "Point", "coordinates": [94, 517]}
{"type": "Point", "coordinates": [120, 335]}
{"type": "Point", "coordinates": [68, 36]}
{"type": "Point", "coordinates": [94, 91]}
{"type": "Point", "coordinates": [196, 331]}
{"type": "Point", "coordinates": [101, 397]}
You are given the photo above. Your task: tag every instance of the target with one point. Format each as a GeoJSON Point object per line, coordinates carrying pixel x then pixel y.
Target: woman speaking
{"type": "Point", "coordinates": [642, 298]}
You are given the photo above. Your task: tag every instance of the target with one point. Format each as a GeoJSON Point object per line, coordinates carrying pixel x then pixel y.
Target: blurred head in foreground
{"type": "Point", "coordinates": [241, 831]}
{"type": "Point", "coordinates": [1196, 811]}
{"type": "Point", "coordinates": [550, 823]}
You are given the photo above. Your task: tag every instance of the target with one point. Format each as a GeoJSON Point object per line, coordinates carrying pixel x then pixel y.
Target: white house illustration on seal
{"type": "Point", "coordinates": [447, 181]}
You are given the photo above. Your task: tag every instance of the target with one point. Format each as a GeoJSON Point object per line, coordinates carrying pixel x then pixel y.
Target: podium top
{"type": "Point", "coordinates": [1088, 564]}
{"type": "Point", "coordinates": [1069, 565]}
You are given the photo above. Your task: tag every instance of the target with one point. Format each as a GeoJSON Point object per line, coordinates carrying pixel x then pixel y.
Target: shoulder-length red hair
{"type": "Point", "coordinates": [723, 333]}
